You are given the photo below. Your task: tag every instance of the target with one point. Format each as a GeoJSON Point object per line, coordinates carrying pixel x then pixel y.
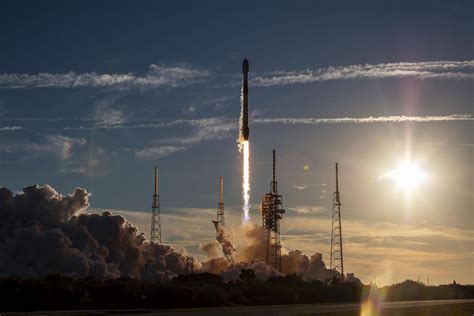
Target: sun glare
{"type": "Point", "coordinates": [407, 175]}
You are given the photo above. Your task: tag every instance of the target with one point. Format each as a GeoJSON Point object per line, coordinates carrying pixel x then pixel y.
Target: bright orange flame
{"type": "Point", "coordinates": [246, 179]}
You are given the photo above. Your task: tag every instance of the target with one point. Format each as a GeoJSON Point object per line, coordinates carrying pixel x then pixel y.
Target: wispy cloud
{"type": "Point", "coordinates": [158, 151]}
{"type": "Point", "coordinates": [175, 76]}
{"type": "Point", "coordinates": [422, 70]}
{"type": "Point", "coordinates": [370, 119]}
{"type": "Point", "coordinates": [207, 129]}
{"type": "Point", "coordinates": [106, 115]}
{"type": "Point", "coordinates": [10, 128]}
{"type": "Point", "coordinates": [59, 145]}
{"type": "Point", "coordinates": [156, 76]}
{"type": "Point", "coordinates": [221, 127]}
{"type": "Point", "coordinates": [308, 210]}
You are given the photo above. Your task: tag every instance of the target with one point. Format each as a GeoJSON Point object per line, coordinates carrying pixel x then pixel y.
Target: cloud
{"type": "Point", "coordinates": [156, 76]}
{"type": "Point", "coordinates": [10, 128]}
{"type": "Point", "coordinates": [209, 129]}
{"type": "Point", "coordinates": [422, 70]}
{"type": "Point", "coordinates": [201, 130]}
{"type": "Point", "coordinates": [105, 115]}
{"type": "Point", "coordinates": [445, 252]}
{"type": "Point", "coordinates": [59, 145]}
{"type": "Point", "coordinates": [45, 233]}
{"type": "Point", "coordinates": [158, 151]}
{"type": "Point", "coordinates": [308, 210]}
{"type": "Point", "coordinates": [300, 187]}
{"type": "Point", "coordinates": [370, 119]}
{"type": "Point", "coordinates": [177, 76]}
{"type": "Point", "coordinates": [214, 126]}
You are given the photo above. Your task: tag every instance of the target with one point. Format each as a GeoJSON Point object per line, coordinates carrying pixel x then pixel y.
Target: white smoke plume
{"type": "Point", "coordinates": [227, 247]}
{"type": "Point", "coordinates": [221, 246]}
{"type": "Point", "coordinates": [251, 254]}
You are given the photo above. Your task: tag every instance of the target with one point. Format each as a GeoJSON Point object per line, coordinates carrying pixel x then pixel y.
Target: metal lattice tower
{"type": "Point", "coordinates": [272, 212]}
{"type": "Point", "coordinates": [220, 222]}
{"type": "Point", "coordinates": [337, 258]}
{"type": "Point", "coordinates": [155, 234]}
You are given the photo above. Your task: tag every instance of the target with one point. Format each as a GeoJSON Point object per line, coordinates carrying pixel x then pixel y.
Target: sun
{"type": "Point", "coordinates": [408, 176]}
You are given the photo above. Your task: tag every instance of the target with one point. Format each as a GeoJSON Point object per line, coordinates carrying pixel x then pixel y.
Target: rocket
{"type": "Point", "coordinates": [244, 115]}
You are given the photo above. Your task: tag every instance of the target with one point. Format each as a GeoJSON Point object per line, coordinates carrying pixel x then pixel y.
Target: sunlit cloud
{"type": "Point", "coordinates": [156, 76]}
{"type": "Point", "coordinates": [106, 115]}
{"type": "Point", "coordinates": [414, 249]}
{"type": "Point", "coordinates": [10, 128]}
{"type": "Point", "coordinates": [366, 120]}
{"type": "Point", "coordinates": [53, 144]}
{"type": "Point", "coordinates": [308, 210]}
{"type": "Point", "coordinates": [156, 152]}
{"type": "Point", "coordinates": [422, 70]}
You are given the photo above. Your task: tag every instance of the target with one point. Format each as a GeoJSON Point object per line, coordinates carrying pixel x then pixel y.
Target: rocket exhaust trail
{"type": "Point", "coordinates": [244, 115]}
{"type": "Point", "coordinates": [244, 139]}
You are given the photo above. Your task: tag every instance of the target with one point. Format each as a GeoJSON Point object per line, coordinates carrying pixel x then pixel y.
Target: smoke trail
{"type": "Point", "coordinates": [246, 179]}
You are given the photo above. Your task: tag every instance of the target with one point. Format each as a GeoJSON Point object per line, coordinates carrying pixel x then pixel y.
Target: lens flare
{"type": "Point", "coordinates": [372, 301]}
{"type": "Point", "coordinates": [407, 175]}
{"type": "Point", "coordinates": [246, 179]}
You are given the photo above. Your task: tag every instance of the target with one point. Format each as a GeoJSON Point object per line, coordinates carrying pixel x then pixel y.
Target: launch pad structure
{"type": "Point", "coordinates": [337, 258]}
{"type": "Point", "coordinates": [220, 221]}
{"type": "Point", "coordinates": [155, 233]}
{"type": "Point", "coordinates": [272, 212]}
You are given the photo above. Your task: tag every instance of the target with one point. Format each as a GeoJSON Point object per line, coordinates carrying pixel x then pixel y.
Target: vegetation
{"type": "Point", "coordinates": [58, 292]}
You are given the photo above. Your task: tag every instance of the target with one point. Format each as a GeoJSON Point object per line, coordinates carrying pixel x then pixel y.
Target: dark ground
{"type": "Point", "coordinates": [60, 293]}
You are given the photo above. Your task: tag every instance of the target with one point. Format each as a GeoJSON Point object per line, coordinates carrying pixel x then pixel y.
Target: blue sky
{"type": "Point", "coordinates": [96, 94]}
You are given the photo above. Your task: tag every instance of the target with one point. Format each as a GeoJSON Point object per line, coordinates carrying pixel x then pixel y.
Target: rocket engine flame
{"type": "Point", "coordinates": [246, 179]}
{"type": "Point", "coordinates": [244, 139]}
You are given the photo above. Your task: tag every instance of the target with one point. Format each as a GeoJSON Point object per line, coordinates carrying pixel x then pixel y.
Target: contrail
{"type": "Point", "coordinates": [422, 70]}
{"type": "Point", "coordinates": [359, 120]}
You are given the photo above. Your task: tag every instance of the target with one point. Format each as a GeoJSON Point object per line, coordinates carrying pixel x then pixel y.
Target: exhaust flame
{"type": "Point", "coordinates": [246, 179]}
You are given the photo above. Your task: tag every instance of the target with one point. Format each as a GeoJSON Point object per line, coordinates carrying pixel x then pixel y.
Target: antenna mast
{"type": "Point", "coordinates": [337, 258]}
{"type": "Point", "coordinates": [155, 234]}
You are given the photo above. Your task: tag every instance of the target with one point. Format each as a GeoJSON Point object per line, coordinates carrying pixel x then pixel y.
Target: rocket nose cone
{"type": "Point", "coordinates": [245, 65]}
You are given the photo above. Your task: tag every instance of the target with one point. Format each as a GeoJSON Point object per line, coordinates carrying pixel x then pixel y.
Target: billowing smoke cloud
{"type": "Point", "coordinates": [251, 253]}
{"type": "Point", "coordinates": [227, 247]}
{"type": "Point", "coordinates": [43, 232]}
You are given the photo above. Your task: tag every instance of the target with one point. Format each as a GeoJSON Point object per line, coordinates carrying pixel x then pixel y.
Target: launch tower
{"type": "Point", "coordinates": [272, 212]}
{"type": "Point", "coordinates": [337, 258]}
{"type": "Point", "coordinates": [220, 222]}
{"type": "Point", "coordinates": [155, 234]}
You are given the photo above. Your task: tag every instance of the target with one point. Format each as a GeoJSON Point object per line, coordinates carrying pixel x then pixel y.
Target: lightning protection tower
{"type": "Point", "coordinates": [272, 212]}
{"type": "Point", "coordinates": [155, 234]}
{"type": "Point", "coordinates": [220, 222]}
{"type": "Point", "coordinates": [337, 258]}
